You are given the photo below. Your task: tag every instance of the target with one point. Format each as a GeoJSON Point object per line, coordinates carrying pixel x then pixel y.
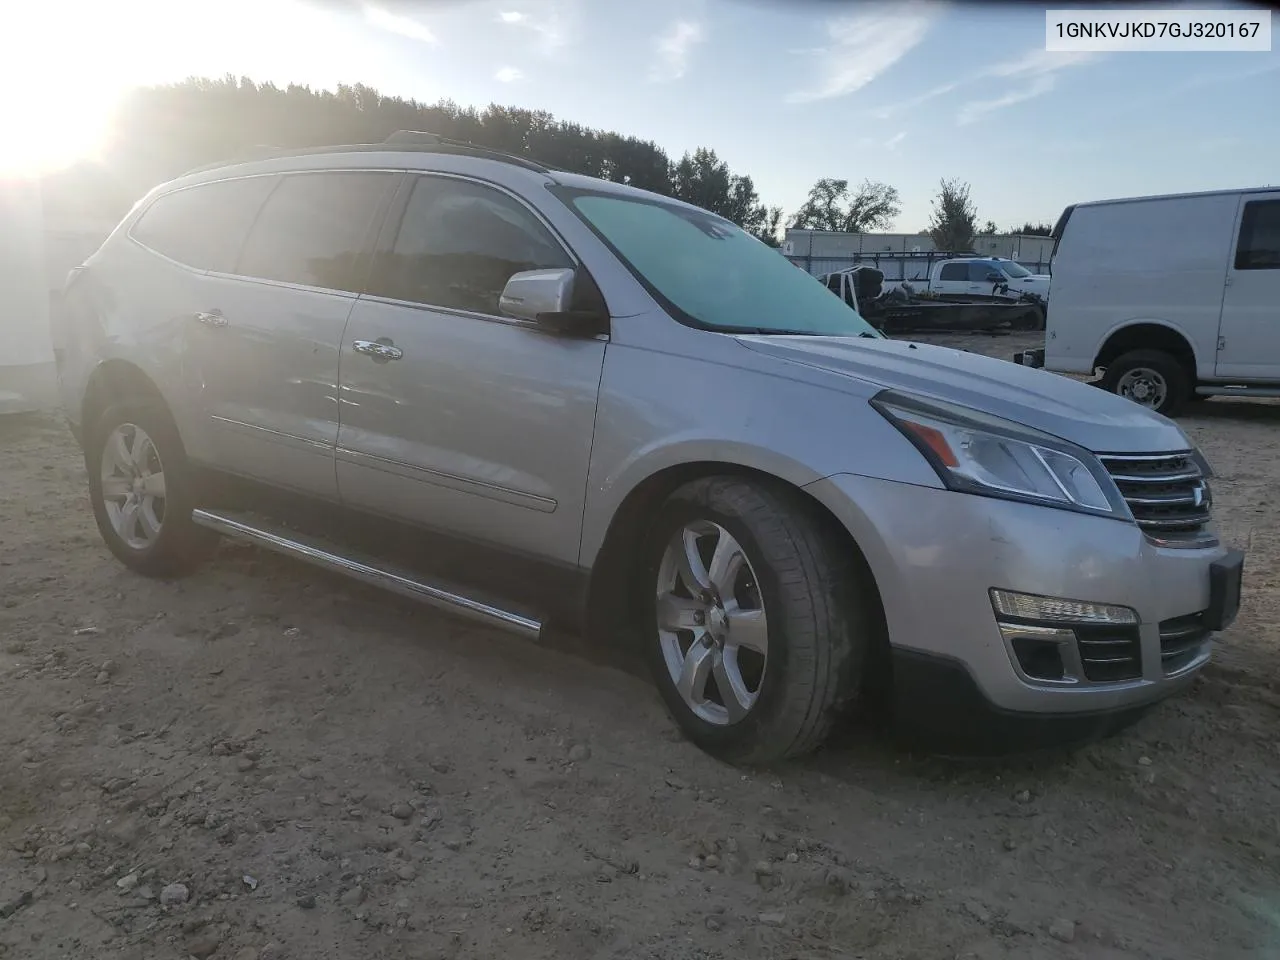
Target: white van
{"type": "Point", "coordinates": [1173, 298]}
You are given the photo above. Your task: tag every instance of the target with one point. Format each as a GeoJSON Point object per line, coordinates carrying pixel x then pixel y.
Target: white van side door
{"type": "Point", "coordinates": [1249, 331]}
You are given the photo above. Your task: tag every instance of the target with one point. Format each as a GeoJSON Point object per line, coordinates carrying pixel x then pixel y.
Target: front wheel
{"type": "Point", "coordinates": [142, 490]}
{"type": "Point", "coordinates": [1153, 378]}
{"type": "Point", "coordinates": [758, 625]}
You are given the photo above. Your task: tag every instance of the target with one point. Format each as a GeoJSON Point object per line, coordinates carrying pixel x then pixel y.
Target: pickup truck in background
{"type": "Point", "coordinates": [983, 277]}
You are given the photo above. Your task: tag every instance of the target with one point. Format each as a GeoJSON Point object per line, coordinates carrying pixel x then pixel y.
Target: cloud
{"type": "Point", "coordinates": [398, 23]}
{"type": "Point", "coordinates": [1038, 67]}
{"type": "Point", "coordinates": [884, 113]}
{"type": "Point", "coordinates": [865, 45]}
{"type": "Point", "coordinates": [896, 139]}
{"type": "Point", "coordinates": [554, 23]}
{"type": "Point", "coordinates": [975, 109]}
{"type": "Point", "coordinates": [674, 48]}
{"type": "Point", "coordinates": [509, 75]}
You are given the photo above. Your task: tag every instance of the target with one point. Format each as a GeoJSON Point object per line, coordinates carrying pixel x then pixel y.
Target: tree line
{"type": "Point", "coordinates": [163, 131]}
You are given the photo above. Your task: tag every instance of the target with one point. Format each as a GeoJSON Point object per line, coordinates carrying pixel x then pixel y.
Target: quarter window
{"type": "Point", "coordinates": [1259, 244]}
{"type": "Point", "coordinates": [458, 245]}
{"type": "Point", "coordinates": [314, 229]}
{"type": "Point", "coordinates": [203, 226]}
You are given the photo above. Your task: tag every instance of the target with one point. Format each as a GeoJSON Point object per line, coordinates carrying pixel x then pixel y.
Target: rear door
{"type": "Point", "coordinates": [263, 359]}
{"type": "Point", "coordinates": [455, 416]}
{"type": "Point", "coordinates": [1249, 332]}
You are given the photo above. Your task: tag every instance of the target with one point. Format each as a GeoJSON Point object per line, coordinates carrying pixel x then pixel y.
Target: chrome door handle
{"type": "Point", "coordinates": [382, 349]}
{"type": "Point", "coordinates": [212, 318]}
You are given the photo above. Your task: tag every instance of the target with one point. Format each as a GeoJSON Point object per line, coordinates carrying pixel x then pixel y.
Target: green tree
{"type": "Point", "coordinates": [955, 218]}
{"type": "Point", "coordinates": [1030, 229]}
{"type": "Point", "coordinates": [833, 205]}
{"type": "Point", "coordinates": [989, 229]}
{"type": "Point", "coordinates": [161, 132]}
{"type": "Point", "coordinates": [703, 179]}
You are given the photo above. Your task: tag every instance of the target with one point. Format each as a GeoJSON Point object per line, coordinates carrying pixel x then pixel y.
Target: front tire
{"type": "Point", "coordinates": [758, 625]}
{"type": "Point", "coordinates": [1153, 378]}
{"type": "Point", "coordinates": [142, 490]}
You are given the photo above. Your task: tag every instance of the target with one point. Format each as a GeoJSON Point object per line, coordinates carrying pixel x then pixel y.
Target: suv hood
{"type": "Point", "coordinates": [1074, 411]}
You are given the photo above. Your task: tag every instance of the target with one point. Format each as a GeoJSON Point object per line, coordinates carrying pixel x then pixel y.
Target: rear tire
{"type": "Point", "coordinates": [1153, 378]}
{"type": "Point", "coordinates": [786, 632]}
{"type": "Point", "coordinates": [143, 491]}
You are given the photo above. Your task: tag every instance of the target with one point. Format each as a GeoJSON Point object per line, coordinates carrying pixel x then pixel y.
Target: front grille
{"type": "Point", "coordinates": [1167, 493]}
{"type": "Point", "coordinates": [1181, 640]}
{"type": "Point", "coordinates": [1108, 654]}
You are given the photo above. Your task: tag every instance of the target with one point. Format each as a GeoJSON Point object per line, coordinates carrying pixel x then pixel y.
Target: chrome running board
{"type": "Point", "coordinates": [320, 554]}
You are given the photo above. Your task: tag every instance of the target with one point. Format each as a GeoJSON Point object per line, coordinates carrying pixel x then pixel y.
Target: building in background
{"type": "Point", "coordinates": [826, 251]}
{"type": "Point", "coordinates": [49, 226]}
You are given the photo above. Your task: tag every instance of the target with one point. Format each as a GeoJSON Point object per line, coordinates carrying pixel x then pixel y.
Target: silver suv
{"type": "Point", "coordinates": [530, 397]}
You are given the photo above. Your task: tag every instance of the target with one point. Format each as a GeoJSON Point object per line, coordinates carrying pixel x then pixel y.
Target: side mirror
{"type": "Point", "coordinates": [545, 297]}
{"type": "Point", "coordinates": [994, 277]}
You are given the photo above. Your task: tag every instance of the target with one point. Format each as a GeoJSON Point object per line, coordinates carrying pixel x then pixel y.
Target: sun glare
{"type": "Point", "coordinates": [65, 65]}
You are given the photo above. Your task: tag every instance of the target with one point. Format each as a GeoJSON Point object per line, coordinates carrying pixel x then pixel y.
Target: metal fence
{"type": "Point", "coordinates": [894, 268]}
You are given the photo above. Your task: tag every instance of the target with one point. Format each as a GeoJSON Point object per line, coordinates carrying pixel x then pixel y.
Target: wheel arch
{"type": "Point", "coordinates": [610, 601]}
{"type": "Point", "coordinates": [1147, 335]}
{"type": "Point", "coordinates": [113, 381]}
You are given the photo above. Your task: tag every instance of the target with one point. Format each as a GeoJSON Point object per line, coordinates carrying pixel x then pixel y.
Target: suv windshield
{"type": "Point", "coordinates": [710, 273]}
{"type": "Point", "coordinates": [1014, 269]}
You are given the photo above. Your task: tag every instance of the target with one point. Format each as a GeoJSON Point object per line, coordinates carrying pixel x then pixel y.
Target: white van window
{"type": "Point", "coordinates": [1259, 243]}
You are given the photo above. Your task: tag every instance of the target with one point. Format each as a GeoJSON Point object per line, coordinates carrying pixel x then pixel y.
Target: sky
{"type": "Point", "coordinates": [786, 91]}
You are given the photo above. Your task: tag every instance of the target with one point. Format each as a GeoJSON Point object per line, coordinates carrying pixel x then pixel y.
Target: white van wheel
{"type": "Point", "coordinates": [1152, 378]}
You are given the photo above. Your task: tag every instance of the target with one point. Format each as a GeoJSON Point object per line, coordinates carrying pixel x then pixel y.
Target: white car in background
{"type": "Point", "coordinates": [986, 276]}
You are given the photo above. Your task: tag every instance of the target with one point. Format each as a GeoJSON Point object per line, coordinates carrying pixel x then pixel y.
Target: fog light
{"type": "Point", "coordinates": [1028, 606]}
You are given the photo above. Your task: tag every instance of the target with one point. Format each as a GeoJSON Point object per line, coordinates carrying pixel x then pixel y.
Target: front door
{"type": "Point", "coordinates": [454, 416]}
{"type": "Point", "coordinates": [264, 344]}
{"type": "Point", "coordinates": [1249, 332]}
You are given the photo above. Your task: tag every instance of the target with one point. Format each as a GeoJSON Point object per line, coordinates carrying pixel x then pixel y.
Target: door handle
{"type": "Point", "coordinates": [213, 318]}
{"type": "Point", "coordinates": [381, 349]}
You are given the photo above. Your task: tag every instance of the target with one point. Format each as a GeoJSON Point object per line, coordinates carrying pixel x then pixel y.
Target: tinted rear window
{"type": "Point", "coordinates": [315, 228]}
{"type": "Point", "coordinates": [1259, 245]}
{"type": "Point", "coordinates": [204, 226]}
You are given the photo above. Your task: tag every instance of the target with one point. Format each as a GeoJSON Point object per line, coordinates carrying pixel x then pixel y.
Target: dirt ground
{"type": "Point", "coordinates": [263, 761]}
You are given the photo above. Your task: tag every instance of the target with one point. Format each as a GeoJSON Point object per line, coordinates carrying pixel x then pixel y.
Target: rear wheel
{"type": "Point", "coordinates": [142, 490]}
{"type": "Point", "coordinates": [757, 629]}
{"type": "Point", "coordinates": [1153, 378]}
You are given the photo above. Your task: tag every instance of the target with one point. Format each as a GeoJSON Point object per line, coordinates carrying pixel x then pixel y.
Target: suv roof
{"type": "Point", "coordinates": [402, 141]}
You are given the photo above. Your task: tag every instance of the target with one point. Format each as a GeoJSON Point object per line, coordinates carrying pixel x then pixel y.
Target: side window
{"type": "Point", "coordinates": [981, 269]}
{"type": "Point", "coordinates": [954, 271]}
{"type": "Point", "coordinates": [314, 229]}
{"type": "Point", "coordinates": [459, 243]}
{"type": "Point", "coordinates": [203, 226]}
{"type": "Point", "coordinates": [1259, 245]}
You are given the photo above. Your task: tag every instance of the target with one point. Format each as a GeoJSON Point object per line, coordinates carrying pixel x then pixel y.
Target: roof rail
{"type": "Point", "coordinates": [402, 141]}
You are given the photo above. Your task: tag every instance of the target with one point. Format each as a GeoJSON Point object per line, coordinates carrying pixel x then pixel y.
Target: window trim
{"type": "Point", "coordinates": [142, 212]}
{"type": "Point", "coordinates": [375, 227]}
{"type": "Point", "coordinates": [367, 245]}
{"type": "Point", "coordinates": [390, 231]}
{"type": "Point", "coordinates": [1245, 221]}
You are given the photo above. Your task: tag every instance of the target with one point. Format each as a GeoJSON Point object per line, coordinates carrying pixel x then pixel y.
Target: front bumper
{"type": "Point", "coordinates": [936, 555]}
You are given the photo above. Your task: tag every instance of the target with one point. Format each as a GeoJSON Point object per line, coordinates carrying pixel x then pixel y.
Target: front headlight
{"type": "Point", "coordinates": [977, 453]}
